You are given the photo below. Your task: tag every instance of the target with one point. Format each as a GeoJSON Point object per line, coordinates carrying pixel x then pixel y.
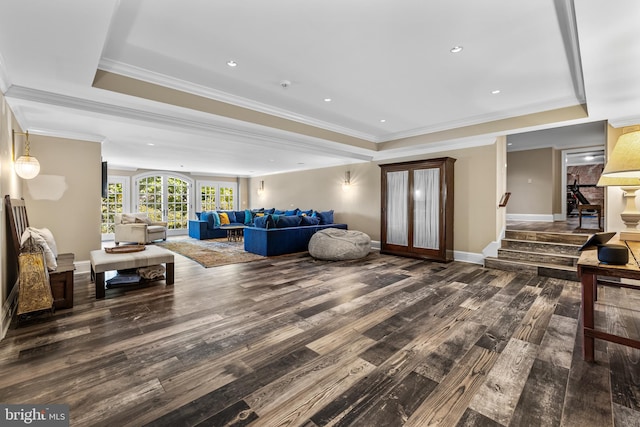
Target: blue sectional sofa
{"type": "Point", "coordinates": [268, 232]}
{"type": "Point", "coordinates": [280, 241]}
{"type": "Point", "coordinates": [208, 224]}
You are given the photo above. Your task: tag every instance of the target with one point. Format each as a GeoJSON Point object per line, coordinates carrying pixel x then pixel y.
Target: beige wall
{"type": "Point", "coordinates": [9, 184]}
{"type": "Point", "coordinates": [321, 189]}
{"type": "Point", "coordinates": [530, 181]}
{"type": "Point", "coordinates": [476, 221]}
{"type": "Point", "coordinates": [65, 196]}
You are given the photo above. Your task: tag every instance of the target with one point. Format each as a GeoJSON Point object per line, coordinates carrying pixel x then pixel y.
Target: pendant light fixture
{"type": "Point", "coordinates": [26, 166]}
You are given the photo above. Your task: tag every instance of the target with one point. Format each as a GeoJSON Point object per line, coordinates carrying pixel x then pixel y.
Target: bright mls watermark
{"type": "Point", "coordinates": [34, 415]}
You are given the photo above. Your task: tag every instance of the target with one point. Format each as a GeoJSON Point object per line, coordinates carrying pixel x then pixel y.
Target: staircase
{"type": "Point", "coordinates": [539, 252]}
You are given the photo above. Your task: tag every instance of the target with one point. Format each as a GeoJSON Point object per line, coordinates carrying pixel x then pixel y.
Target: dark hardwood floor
{"type": "Point", "coordinates": [383, 341]}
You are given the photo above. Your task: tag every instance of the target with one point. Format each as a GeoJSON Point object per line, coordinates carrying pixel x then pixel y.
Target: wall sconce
{"type": "Point", "coordinates": [623, 169]}
{"type": "Point", "coordinates": [261, 188]}
{"type": "Point", "coordinates": [26, 166]}
{"type": "Point", "coordinates": [347, 181]}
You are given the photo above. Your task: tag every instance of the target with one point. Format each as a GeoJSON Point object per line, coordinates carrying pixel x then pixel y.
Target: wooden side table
{"type": "Point", "coordinates": [589, 268]}
{"type": "Point", "coordinates": [597, 208]}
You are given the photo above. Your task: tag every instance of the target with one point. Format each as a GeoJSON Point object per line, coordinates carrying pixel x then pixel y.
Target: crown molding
{"type": "Point", "coordinates": [251, 134]}
{"type": "Point", "coordinates": [435, 147]}
{"type": "Point", "coordinates": [569, 29]}
{"type": "Point", "coordinates": [148, 76]}
{"type": "Point", "coordinates": [483, 118]}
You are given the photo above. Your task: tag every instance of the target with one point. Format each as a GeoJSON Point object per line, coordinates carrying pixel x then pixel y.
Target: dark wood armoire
{"type": "Point", "coordinates": [417, 209]}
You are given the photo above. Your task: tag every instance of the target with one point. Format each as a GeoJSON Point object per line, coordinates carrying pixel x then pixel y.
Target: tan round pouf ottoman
{"type": "Point", "coordinates": [334, 244]}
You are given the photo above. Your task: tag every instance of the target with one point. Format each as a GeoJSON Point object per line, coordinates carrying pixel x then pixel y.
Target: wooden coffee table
{"type": "Point", "coordinates": [152, 255]}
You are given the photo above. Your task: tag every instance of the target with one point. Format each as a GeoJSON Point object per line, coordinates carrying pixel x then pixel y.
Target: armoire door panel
{"type": "Point", "coordinates": [397, 208]}
{"type": "Point", "coordinates": [417, 209]}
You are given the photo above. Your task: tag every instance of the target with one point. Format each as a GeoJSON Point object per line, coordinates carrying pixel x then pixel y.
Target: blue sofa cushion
{"type": "Point", "coordinates": [211, 217]}
{"type": "Point", "coordinates": [231, 215]}
{"type": "Point", "coordinates": [288, 221]}
{"type": "Point", "coordinates": [278, 212]}
{"type": "Point", "coordinates": [292, 212]}
{"type": "Point", "coordinates": [309, 220]}
{"type": "Point", "coordinates": [267, 221]}
{"type": "Point", "coordinates": [269, 211]}
{"type": "Point", "coordinates": [260, 221]}
{"type": "Point", "coordinates": [305, 213]}
{"type": "Point", "coordinates": [326, 217]}
{"type": "Point", "coordinates": [240, 217]}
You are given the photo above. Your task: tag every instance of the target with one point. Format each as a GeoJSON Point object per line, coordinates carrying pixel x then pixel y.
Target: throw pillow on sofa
{"type": "Point", "coordinates": [240, 219]}
{"type": "Point", "coordinates": [266, 221]}
{"type": "Point", "coordinates": [288, 221]}
{"type": "Point", "coordinates": [309, 220]}
{"type": "Point", "coordinates": [212, 218]}
{"type": "Point", "coordinates": [292, 212]}
{"type": "Point", "coordinates": [224, 218]}
{"type": "Point", "coordinates": [230, 214]}
{"type": "Point", "coordinates": [248, 217]}
{"type": "Point", "coordinates": [326, 217]}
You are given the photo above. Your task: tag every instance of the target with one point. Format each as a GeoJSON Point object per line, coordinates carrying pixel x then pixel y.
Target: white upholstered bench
{"type": "Point", "coordinates": [102, 261]}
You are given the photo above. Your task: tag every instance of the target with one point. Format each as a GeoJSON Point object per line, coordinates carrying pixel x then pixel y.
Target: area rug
{"type": "Point", "coordinates": [211, 253]}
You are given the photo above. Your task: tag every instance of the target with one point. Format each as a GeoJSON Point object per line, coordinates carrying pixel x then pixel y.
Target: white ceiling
{"type": "Point", "coordinates": [375, 59]}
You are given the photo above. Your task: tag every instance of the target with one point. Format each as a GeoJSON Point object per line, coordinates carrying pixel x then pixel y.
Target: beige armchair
{"type": "Point", "coordinates": [138, 228]}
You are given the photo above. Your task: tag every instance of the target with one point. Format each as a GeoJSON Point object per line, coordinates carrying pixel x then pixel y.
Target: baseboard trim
{"type": "Point", "coordinates": [82, 266]}
{"type": "Point", "coordinates": [491, 250]}
{"type": "Point", "coordinates": [470, 257]}
{"type": "Point", "coordinates": [530, 217]}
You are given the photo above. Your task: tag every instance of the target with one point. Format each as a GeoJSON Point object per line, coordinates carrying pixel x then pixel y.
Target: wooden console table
{"type": "Point", "coordinates": [589, 268]}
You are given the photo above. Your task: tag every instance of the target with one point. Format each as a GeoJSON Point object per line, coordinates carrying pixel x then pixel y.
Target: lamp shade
{"type": "Point", "coordinates": [27, 167]}
{"type": "Point", "coordinates": [606, 181]}
{"type": "Point", "coordinates": [624, 161]}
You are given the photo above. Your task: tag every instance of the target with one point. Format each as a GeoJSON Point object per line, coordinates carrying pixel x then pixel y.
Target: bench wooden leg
{"type": "Point", "coordinates": [99, 285]}
{"type": "Point", "coordinates": [170, 273]}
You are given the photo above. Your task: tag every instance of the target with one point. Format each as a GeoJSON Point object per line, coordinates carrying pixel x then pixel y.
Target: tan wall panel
{"type": "Point", "coordinates": [321, 189]}
{"type": "Point", "coordinates": [65, 197]}
{"type": "Point", "coordinates": [530, 181]}
{"type": "Point", "coordinates": [475, 199]}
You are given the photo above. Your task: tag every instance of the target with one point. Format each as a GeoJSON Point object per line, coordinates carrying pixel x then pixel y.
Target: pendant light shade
{"type": "Point", "coordinates": [26, 166]}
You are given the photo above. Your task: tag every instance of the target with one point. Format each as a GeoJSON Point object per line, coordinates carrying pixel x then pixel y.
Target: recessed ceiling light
{"type": "Point", "coordinates": [383, 120]}
{"type": "Point", "coordinates": [150, 144]}
{"type": "Point", "coordinates": [495, 92]}
{"type": "Point", "coordinates": [509, 143]}
{"type": "Point", "coordinates": [232, 63]}
{"type": "Point", "coordinates": [456, 49]}
{"type": "Point", "coordinates": [327, 100]}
